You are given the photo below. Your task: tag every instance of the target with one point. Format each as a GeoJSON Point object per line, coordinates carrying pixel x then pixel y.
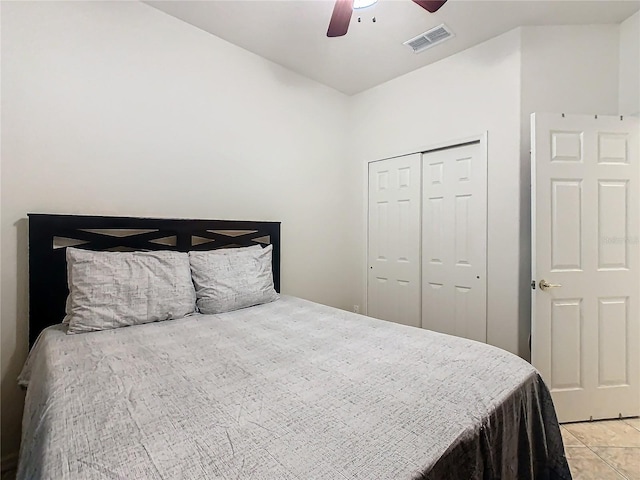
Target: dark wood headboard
{"type": "Point", "coordinates": [49, 235]}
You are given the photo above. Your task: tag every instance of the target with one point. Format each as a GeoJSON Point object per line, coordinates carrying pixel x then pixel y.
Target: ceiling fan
{"type": "Point", "coordinates": [339, 23]}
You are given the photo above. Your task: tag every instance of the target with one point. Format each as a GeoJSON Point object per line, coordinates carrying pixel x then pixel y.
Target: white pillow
{"type": "Point", "coordinates": [230, 279]}
{"type": "Point", "coordinates": [118, 289]}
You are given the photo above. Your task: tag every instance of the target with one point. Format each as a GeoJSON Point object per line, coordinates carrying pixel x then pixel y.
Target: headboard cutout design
{"type": "Point", "coordinates": [50, 235]}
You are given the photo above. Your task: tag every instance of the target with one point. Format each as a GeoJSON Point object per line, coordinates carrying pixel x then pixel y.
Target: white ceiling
{"type": "Point", "coordinates": [292, 33]}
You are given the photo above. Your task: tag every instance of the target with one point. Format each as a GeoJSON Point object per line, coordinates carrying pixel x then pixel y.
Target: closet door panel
{"type": "Point", "coordinates": [393, 281]}
{"type": "Point", "coordinates": [454, 244]}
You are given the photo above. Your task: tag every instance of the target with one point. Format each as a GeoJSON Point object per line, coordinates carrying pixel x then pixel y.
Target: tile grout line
{"type": "Point", "coordinates": [620, 474]}
{"type": "Point", "coordinates": [632, 426]}
{"type": "Point", "coordinates": [601, 458]}
{"type": "Point", "coordinates": [607, 463]}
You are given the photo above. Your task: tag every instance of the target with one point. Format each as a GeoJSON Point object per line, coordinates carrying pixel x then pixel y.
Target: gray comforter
{"type": "Point", "coordinates": [287, 390]}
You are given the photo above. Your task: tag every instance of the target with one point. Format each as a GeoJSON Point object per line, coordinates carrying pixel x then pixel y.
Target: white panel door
{"type": "Point", "coordinates": [454, 241]}
{"type": "Point", "coordinates": [393, 283]}
{"type": "Point", "coordinates": [585, 246]}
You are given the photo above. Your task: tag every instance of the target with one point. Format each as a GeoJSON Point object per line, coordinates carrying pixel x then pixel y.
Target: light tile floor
{"type": "Point", "coordinates": [605, 450]}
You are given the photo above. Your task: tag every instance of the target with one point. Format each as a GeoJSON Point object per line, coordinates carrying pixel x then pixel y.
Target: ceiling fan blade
{"type": "Point", "coordinates": [430, 5]}
{"type": "Point", "coordinates": [339, 23]}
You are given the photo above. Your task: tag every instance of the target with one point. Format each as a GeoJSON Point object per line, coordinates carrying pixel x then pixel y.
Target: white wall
{"type": "Point", "coordinates": [629, 98]}
{"type": "Point", "coordinates": [565, 69]}
{"type": "Point", "coordinates": [117, 108]}
{"type": "Point", "coordinates": [570, 69]}
{"type": "Point", "coordinates": [494, 86]}
{"type": "Point", "coordinates": [467, 94]}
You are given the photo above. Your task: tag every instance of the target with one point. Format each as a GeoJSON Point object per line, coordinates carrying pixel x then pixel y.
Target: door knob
{"type": "Point", "coordinates": [544, 285]}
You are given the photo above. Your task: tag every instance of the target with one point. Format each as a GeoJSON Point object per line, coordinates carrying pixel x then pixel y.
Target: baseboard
{"type": "Point", "coordinates": [9, 462]}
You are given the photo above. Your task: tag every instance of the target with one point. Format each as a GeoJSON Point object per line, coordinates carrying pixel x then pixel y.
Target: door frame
{"type": "Point", "coordinates": [483, 139]}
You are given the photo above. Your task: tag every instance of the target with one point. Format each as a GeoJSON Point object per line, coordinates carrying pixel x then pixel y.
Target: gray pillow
{"type": "Point", "coordinates": [118, 289]}
{"type": "Point", "coordinates": [230, 279]}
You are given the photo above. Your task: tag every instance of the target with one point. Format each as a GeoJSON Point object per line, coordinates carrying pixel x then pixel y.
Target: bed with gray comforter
{"type": "Point", "coordinates": [285, 390]}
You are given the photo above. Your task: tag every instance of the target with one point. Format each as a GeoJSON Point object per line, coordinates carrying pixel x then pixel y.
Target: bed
{"type": "Point", "coordinates": [289, 389]}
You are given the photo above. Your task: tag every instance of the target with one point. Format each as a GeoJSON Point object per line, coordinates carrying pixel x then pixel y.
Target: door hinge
{"type": "Point", "coordinates": [533, 284]}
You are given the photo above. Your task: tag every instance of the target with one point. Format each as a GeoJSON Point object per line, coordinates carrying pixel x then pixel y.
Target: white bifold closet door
{"type": "Point", "coordinates": [427, 240]}
{"type": "Point", "coordinates": [393, 281]}
{"type": "Point", "coordinates": [454, 241]}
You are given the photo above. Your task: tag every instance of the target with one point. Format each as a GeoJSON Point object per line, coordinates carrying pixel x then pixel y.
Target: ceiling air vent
{"type": "Point", "coordinates": [429, 38]}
